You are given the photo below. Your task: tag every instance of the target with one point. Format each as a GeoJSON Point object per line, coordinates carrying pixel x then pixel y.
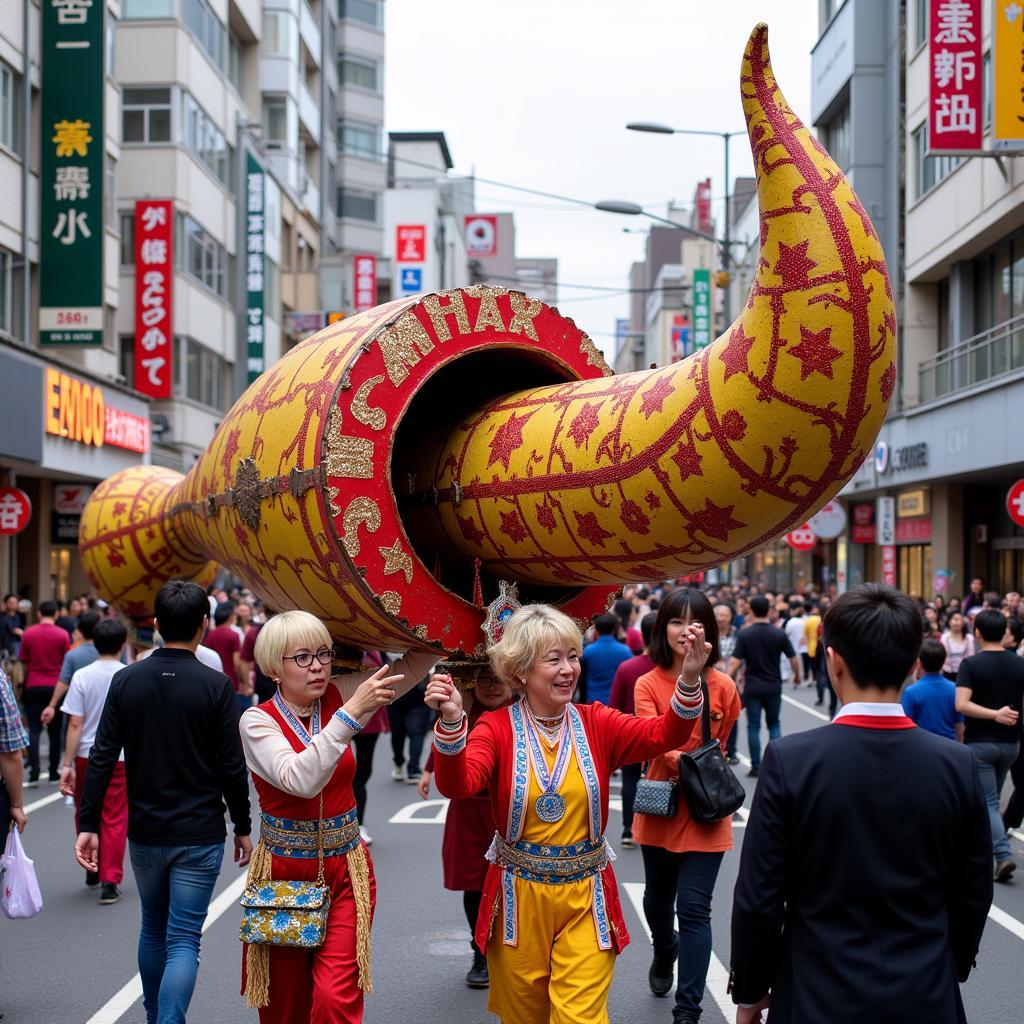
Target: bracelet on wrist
{"type": "Point", "coordinates": [455, 726]}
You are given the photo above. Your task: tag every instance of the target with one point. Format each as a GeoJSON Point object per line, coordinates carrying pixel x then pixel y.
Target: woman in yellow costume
{"type": "Point", "coordinates": [545, 763]}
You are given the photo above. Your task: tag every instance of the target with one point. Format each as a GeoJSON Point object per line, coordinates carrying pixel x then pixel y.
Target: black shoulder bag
{"type": "Point", "coordinates": [711, 789]}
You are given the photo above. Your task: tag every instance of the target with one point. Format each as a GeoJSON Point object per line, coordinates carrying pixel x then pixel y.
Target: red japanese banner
{"type": "Point", "coordinates": [954, 74]}
{"type": "Point", "coordinates": [154, 276]}
{"type": "Point", "coordinates": [365, 270]}
{"type": "Point", "coordinates": [411, 243]}
{"type": "Point", "coordinates": [702, 206]}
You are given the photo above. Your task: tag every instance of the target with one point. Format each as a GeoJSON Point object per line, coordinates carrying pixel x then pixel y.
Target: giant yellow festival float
{"type": "Point", "coordinates": [404, 468]}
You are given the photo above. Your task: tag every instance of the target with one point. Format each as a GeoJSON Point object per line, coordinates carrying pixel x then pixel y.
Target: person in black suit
{"type": "Point", "coordinates": [866, 872]}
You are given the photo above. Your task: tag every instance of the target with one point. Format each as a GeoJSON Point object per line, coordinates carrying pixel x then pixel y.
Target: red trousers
{"type": "Point", "coordinates": [318, 986]}
{"type": "Point", "coordinates": [113, 820]}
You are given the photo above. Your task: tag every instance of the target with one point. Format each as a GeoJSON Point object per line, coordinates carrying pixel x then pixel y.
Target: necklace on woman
{"type": "Point", "coordinates": [301, 711]}
{"type": "Point", "coordinates": [550, 805]}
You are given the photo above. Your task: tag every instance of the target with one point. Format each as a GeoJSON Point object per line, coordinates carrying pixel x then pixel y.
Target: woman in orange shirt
{"type": "Point", "coordinates": [682, 857]}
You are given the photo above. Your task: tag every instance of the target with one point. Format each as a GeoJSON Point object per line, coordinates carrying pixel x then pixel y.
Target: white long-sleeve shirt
{"type": "Point", "coordinates": [270, 755]}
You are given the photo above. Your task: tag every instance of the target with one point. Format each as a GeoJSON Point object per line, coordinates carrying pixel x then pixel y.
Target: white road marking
{"type": "Point", "coordinates": [718, 976]}
{"type": "Point", "coordinates": [51, 799]}
{"type": "Point", "coordinates": [114, 1009]}
{"type": "Point", "coordinates": [803, 707]}
{"type": "Point", "coordinates": [1017, 834]}
{"type": "Point", "coordinates": [1011, 924]}
{"type": "Point", "coordinates": [409, 814]}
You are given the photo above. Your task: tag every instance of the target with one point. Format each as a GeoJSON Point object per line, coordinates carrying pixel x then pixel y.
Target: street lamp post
{"type": "Point", "coordinates": [664, 129]}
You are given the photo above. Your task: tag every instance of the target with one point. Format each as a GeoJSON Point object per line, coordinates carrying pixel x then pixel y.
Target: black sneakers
{"type": "Point", "coordinates": [92, 879]}
{"type": "Point", "coordinates": [109, 893]}
{"type": "Point", "coordinates": [478, 976]}
{"type": "Point", "coordinates": [660, 976]}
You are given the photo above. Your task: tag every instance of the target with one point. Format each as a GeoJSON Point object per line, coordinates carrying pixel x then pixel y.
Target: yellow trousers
{"type": "Point", "coordinates": [556, 974]}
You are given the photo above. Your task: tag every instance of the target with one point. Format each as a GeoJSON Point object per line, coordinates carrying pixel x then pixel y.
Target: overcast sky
{"type": "Point", "coordinates": [537, 93]}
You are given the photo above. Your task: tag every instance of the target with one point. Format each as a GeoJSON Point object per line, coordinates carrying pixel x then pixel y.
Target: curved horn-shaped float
{"type": "Point", "coordinates": [367, 471]}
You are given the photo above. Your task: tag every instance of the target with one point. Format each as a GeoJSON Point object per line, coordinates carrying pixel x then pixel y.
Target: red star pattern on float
{"type": "Point", "coordinates": [507, 438]}
{"type": "Point", "coordinates": [815, 353]}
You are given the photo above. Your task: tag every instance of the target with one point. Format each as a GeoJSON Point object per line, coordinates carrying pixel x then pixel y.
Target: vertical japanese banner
{"type": "Point", "coordinates": [255, 235]}
{"type": "Point", "coordinates": [71, 173]}
{"type": "Point", "coordinates": [954, 75]}
{"type": "Point", "coordinates": [154, 275]}
{"type": "Point", "coordinates": [701, 309]}
{"type": "Point", "coordinates": [1007, 75]}
{"type": "Point", "coordinates": [365, 270]}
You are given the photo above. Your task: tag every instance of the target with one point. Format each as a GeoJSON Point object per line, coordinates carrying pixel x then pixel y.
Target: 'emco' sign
{"type": "Point", "coordinates": [76, 410]}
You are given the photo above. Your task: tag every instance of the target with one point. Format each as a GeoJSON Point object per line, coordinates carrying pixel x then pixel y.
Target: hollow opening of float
{"type": "Point", "coordinates": [440, 404]}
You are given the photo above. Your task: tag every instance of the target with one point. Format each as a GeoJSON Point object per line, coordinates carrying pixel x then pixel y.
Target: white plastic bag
{"type": "Point", "coordinates": [19, 889]}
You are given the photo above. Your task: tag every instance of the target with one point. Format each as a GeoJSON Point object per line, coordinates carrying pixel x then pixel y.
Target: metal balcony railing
{"type": "Point", "coordinates": [986, 356]}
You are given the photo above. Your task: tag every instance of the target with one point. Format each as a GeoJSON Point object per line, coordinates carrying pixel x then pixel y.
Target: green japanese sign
{"type": "Point", "coordinates": [71, 173]}
{"type": "Point", "coordinates": [701, 309]}
{"type": "Point", "coordinates": [255, 237]}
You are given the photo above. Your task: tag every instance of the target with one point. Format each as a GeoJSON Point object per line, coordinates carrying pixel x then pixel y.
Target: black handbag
{"type": "Point", "coordinates": [711, 788]}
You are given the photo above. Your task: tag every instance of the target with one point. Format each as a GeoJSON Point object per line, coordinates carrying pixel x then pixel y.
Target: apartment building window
{"type": "Point", "coordinates": [358, 139]}
{"type": "Point", "coordinates": [359, 71]}
{"type": "Point", "coordinates": [200, 255]}
{"type": "Point", "coordinates": [126, 359]}
{"type": "Point", "coordinates": [146, 115]}
{"type": "Point", "coordinates": [999, 283]}
{"type": "Point", "coordinates": [6, 291]}
{"type": "Point", "coordinates": [235, 61]}
{"type": "Point", "coordinates": [202, 374]}
{"type": "Point", "coordinates": [986, 91]}
{"type": "Point", "coordinates": [8, 108]}
{"type": "Point", "coordinates": [132, 9]}
{"type": "Point", "coordinates": [929, 170]}
{"type": "Point", "coordinates": [275, 122]}
{"type": "Point", "coordinates": [272, 289]}
{"type": "Point", "coordinates": [208, 30]}
{"type": "Point", "coordinates": [835, 136]}
{"type": "Point", "coordinates": [366, 11]}
{"type": "Point", "coordinates": [280, 35]}
{"type": "Point", "coordinates": [206, 140]}
{"type": "Point", "coordinates": [357, 204]}
{"type": "Point", "coordinates": [126, 223]}
{"type": "Point", "coordinates": [920, 22]}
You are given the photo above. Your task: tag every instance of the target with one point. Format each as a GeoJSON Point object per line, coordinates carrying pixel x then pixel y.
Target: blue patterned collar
{"type": "Point", "coordinates": [293, 720]}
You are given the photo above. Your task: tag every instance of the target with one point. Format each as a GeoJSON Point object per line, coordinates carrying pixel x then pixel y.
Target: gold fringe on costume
{"type": "Point", "coordinates": [359, 874]}
{"type": "Point", "coordinates": [257, 955]}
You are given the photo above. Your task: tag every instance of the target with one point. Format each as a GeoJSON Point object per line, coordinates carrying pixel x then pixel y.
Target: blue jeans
{"type": "Point", "coordinates": [994, 761]}
{"type": "Point", "coordinates": [771, 705]}
{"type": "Point", "coordinates": [175, 884]}
{"type": "Point", "coordinates": [683, 882]}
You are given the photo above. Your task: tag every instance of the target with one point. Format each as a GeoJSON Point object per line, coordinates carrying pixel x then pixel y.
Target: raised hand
{"type": "Point", "coordinates": [444, 696]}
{"type": "Point", "coordinates": [697, 653]}
{"type": "Point", "coordinates": [373, 693]}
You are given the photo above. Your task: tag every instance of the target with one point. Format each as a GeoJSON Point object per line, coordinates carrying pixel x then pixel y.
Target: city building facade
{"type": "Point", "coordinates": [928, 509]}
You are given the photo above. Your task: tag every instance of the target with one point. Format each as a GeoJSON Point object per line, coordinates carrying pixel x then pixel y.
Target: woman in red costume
{"type": "Point", "coordinates": [550, 888]}
{"type": "Point", "coordinates": [469, 825]}
{"type": "Point", "coordinates": [297, 745]}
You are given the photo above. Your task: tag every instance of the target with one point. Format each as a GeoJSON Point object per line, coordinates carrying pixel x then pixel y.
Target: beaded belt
{"type": "Point", "coordinates": [291, 837]}
{"type": "Point", "coordinates": [553, 865]}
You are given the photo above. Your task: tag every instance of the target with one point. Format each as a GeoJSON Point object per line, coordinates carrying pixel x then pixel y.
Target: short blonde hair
{"type": "Point", "coordinates": [284, 631]}
{"type": "Point", "coordinates": [529, 632]}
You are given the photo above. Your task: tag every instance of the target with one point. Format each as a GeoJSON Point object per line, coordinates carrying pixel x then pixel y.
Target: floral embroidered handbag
{"type": "Point", "coordinates": [281, 913]}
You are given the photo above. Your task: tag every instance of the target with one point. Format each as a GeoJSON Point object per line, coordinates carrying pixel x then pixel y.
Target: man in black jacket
{"type": "Point", "coordinates": [866, 872]}
{"type": "Point", "coordinates": [177, 722]}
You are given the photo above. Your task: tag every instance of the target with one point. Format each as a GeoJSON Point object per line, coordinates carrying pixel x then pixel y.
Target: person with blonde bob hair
{"type": "Point", "coordinates": [297, 746]}
{"type": "Point", "coordinates": [545, 763]}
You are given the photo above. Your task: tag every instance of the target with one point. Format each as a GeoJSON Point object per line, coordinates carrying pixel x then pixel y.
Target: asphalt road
{"type": "Point", "coordinates": [75, 962]}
